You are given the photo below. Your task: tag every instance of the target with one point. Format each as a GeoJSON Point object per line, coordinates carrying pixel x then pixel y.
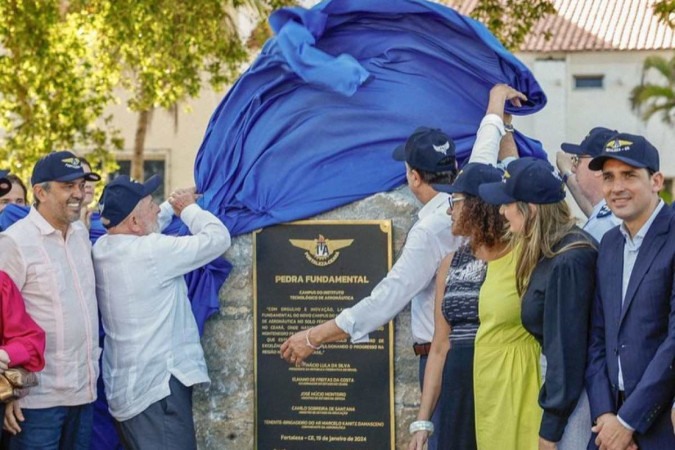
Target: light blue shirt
{"type": "Point", "coordinates": [600, 221]}
{"type": "Point", "coordinates": [630, 253]}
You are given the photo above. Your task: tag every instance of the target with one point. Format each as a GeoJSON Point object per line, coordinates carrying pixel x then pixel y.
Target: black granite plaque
{"type": "Point", "coordinates": [343, 397]}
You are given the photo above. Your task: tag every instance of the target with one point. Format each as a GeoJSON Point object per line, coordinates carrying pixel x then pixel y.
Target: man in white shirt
{"type": "Point", "coordinates": [585, 184]}
{"type": "Point", "coordinates": [153, 355]}
{"type": "Point", "coordinates": [429, 157]}
{"type": "Point", "coordinates": [48, 256]}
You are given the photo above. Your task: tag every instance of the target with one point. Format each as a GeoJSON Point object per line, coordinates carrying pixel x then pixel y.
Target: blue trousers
{"type": "Point", "coordinates": [57, 428]}
{"type": "Point", "coordinates": [167, 424]}
{"type": "Point", "coordinates": [432, 443]}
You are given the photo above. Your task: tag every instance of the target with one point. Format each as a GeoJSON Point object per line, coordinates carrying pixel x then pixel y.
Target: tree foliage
{"type": "Point", "coordinates": [54, 85]}
{"type": "Point", "coordinates": [164, 47]}
{"type": "Point", "coordinates": [665, 11]}
{"type": "Point", "coordinates": [167, 49]}
{"type": "Point", "coordinates": [658, 95]}
{"type": "Point", "coordinates": [512, 20]}
{"type": "Point", "coordinates": [656, 92]}
{"type": "Point", "coordinates": [60, 62]}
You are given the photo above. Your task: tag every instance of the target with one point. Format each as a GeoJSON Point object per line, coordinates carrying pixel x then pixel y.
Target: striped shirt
{"type": "Point", "coordinates": [56, 279]}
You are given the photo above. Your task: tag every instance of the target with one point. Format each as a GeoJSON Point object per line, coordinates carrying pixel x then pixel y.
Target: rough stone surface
{"type": "Point", "coordinates": [224, 412]}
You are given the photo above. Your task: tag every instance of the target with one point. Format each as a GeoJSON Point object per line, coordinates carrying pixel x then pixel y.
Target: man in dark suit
{"type": "Point", "coordinates": [630, 376]}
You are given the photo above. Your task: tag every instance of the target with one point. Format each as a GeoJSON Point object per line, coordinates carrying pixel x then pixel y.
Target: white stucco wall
{"type": "Point", "coordinates": [571, 113]}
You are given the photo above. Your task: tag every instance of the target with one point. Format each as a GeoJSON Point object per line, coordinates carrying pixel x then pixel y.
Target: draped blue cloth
{"type": "Point", "coordinates": [311, 125]}
{"type": "Point", "coordinates": [11, 213]}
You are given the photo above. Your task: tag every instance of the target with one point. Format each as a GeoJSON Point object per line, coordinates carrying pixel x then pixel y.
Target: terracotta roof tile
{"type": "Point", "coordinates": [593, 25]}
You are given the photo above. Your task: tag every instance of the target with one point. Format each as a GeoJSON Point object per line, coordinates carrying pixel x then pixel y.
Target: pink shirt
{"type": "Point", "coordinates": [56, 278]}
{"type": "Point", "coordinates": [20, 336]}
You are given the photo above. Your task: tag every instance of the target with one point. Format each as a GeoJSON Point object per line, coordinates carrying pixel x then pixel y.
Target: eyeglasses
{"type": "Point", "coordinates": [452, 200]}
{"type": "Point", "coordinates": [576, 159]}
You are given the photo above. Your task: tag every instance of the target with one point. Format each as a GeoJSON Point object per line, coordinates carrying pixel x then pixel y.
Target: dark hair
{"type": "Point", "coordinates": [480, 222]}
{"type": "Point", "coordinates": [436, 177]}
{"type": "Point", "coordinates": [16, 180]}
{"type": "Point", "coordinates": [46, 186]}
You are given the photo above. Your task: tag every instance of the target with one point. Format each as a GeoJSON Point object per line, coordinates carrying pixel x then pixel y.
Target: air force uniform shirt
{"type": "Point", "coordinates": [601, 221]}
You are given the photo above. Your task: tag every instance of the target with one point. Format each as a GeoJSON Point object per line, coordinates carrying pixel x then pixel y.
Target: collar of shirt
{"type": "Point", "coordinates": [45, 227]}
{"type": "Point", "coordinates": [439, 201]}
{"type": "Point", "coordinates": [635, 242]}
{"type": "Point", "coordinates": [597, 208]}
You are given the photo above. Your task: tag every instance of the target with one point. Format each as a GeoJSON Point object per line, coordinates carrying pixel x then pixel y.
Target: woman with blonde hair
{"type": "Point", "coordinates": [555, 278]}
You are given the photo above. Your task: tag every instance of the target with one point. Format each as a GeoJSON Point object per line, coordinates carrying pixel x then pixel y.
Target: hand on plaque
{"type": "Point", "coordinates": [296, 349]}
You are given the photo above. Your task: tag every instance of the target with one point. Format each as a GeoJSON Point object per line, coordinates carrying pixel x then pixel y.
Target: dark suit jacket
{"type": "Point", "coordinates": [642, 332]}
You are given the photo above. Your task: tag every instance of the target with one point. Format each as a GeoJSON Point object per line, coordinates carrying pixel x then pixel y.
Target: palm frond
{"type": "Point", "coordinates": [665, 67]}
{"type": "Point", "coordinates": [654, 96]}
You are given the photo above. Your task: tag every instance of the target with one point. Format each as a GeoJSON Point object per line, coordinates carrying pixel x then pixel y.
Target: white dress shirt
{"type": "Point", "coordinates": [488, 137]}
{"type": "Point", "coordinates": [56, 279]}
{"type": "Point", "coordinates": [151, 333]}
{"type": "Point", "coordinates": [412, 277]}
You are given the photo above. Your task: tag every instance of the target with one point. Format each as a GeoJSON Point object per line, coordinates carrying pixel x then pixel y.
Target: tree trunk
{"type": "Point", "coordinates": [142, 125]}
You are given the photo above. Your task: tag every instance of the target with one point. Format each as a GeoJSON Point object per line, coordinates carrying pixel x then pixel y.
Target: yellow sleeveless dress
{"type": "Point", "coordinates": [506, 366]}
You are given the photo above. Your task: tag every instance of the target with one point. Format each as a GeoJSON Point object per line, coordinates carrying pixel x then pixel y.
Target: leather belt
{"type": "Point", "coordinates": [422, 349]}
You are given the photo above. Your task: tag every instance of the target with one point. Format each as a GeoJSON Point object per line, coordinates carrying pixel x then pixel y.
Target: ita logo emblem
{"type": "Point", "coordinates": [321, 251]}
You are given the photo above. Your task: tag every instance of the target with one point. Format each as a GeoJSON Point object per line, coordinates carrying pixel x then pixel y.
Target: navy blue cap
{"type": "Point", "coordinates": [5, 184]}
{"type": "Point", "coordinates": [60, 166]}
{"type": "Point", "coordinates": [530, 180]}
{"type": "Point", "coordinates": [121, 196]}
{"type": "Point", "coordinates": [593, 144]}
{"type": "Point", "coordinates": [428, 149]}
{"type": "Point", "coordinates": [634, 150]}
{"type": "Point", "coordinates": [470, 178]}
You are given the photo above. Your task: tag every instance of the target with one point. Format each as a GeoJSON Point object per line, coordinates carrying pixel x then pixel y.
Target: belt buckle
{"type": "Point", "coordinates": [421, 349]}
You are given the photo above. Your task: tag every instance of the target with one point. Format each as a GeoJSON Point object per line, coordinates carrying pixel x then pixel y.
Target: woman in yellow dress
{"type": "Point", "coordinates": [555, 278]}
{"type": "Point", "coordinates": [506, 365]}
{"type": "Point", "coordinates": [507, 358]}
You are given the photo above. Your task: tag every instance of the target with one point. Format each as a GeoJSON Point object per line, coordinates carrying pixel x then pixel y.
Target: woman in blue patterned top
{"type": "Point", "coordinates": [449, 370]}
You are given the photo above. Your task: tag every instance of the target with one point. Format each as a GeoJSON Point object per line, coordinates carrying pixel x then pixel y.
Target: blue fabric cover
{"type": "Point", "coordinates": [311, 125]}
